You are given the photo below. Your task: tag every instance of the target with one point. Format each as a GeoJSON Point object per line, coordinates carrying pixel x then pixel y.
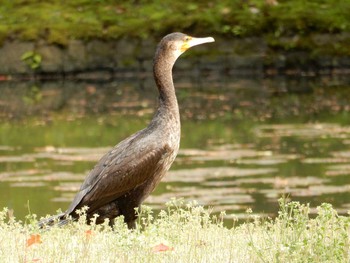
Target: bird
{"type": "Point", "coordinates": [126, 175]}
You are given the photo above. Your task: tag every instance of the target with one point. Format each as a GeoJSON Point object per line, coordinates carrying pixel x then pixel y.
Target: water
{"type": "Point", "coordinates": [245, 141]}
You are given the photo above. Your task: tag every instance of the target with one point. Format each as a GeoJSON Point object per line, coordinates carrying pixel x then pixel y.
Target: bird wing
{"type": "Point", "coordinates": [126, 166]}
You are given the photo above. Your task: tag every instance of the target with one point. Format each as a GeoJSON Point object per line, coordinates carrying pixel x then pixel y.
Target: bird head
{"type": "Point", "coordinates": [178, 43]}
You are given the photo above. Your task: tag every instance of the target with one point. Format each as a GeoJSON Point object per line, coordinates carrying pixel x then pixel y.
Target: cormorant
{"type": "Point", "coordinates": [129, 172]}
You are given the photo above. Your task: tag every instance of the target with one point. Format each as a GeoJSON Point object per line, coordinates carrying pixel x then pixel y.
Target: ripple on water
{"type": "Point", "coordinates": [225, 176]}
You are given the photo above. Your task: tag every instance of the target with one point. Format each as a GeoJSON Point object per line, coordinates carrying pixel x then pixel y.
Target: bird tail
{"type": "Point", "coordinates": [56, 220]}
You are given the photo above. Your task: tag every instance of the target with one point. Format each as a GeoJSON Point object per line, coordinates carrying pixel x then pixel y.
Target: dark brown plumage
{"type": "Point", "coordinates": [126, 175]}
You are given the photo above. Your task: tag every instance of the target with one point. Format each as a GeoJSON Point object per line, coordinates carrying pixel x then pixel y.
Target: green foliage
{"type": "Point", "coordinates": [58, 21]}
{"type": "Point", "coordinates": [32, 59]}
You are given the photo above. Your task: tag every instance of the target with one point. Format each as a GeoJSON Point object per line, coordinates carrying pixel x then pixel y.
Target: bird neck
{"type": "Point", "coordinates": [163, 65]}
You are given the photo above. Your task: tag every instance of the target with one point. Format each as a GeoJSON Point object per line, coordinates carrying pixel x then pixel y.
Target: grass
{"type": "Point", "coordinates": [284, 24]}
{"type": "Point", "coordinates": [184, 233]}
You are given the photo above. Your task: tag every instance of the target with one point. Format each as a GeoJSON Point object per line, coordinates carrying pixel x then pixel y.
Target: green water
{"type": "Point", "coordinates": [245, 142]}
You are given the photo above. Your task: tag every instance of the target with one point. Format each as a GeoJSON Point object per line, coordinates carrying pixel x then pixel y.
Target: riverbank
{"type": "Point", "coordinates": [58, 22]}
{"type": "Point", "coordinates": [184, 233]}
{"type": "Point", "coordinates": [59, 39]}
{"type": "Point", "coordinates": [110, 59]}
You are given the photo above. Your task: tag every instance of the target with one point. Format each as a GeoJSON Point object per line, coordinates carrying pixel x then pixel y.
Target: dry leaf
{"type": "Point", "coordinates": [161, 248]}
{"type": "Point", "coordinates": [34, 239]}
{"type": "Point", "coordinates": [88, 234]}
{"type": "Point", "coordinates": [33, 260]}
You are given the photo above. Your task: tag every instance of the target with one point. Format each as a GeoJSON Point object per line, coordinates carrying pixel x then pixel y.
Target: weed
{"type": "Point", "coordinates": [32, 59]}
{"type": "Point", "coordinates": [184, 232]}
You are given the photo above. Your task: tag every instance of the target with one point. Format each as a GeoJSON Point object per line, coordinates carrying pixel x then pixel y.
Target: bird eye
{"type": "Point", "coordinates": [187, 39]}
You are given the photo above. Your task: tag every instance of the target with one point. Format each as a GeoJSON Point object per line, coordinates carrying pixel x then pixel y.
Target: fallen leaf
{"type": "Point", "coordinates": [88, 234]}
{"type": "Point", "coordinates": [161, 248]}
{"type": "Point", "coordinates": [33, 260]}
{"type": "Point", "coordinates": [34, 239]}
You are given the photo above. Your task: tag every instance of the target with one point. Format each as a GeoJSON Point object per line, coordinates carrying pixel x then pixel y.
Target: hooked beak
{"type": "Point", "coordinates": [194, 41]}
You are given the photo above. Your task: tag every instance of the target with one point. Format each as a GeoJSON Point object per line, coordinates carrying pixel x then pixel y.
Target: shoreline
{"type": "Point", "coordinates": [97, 59]}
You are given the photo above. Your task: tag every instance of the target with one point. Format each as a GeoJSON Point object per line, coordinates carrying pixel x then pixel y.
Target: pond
{"type": "Point", "coordinates": [246, 140]}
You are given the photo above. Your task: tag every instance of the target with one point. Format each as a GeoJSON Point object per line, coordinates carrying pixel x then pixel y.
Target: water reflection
{"type": "Point", "coordinates": [245, 142]}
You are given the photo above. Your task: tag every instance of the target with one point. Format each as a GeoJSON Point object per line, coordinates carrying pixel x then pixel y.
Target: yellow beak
{"type": "Point", "coordinates": [193, 41]}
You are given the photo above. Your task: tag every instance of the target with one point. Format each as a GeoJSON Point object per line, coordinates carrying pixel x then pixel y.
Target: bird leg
{"type": "Point", "coordinates": [110, 211]}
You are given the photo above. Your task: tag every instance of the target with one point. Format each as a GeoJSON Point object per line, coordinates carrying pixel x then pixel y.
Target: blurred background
{"type": "Point", "coordinates": [264, 109]}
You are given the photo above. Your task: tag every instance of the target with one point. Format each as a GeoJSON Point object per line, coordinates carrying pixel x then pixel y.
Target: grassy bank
{"type": "Point", "coordinates": [283, 24]}
{"type": "Point", "coordinates": [184, 233]}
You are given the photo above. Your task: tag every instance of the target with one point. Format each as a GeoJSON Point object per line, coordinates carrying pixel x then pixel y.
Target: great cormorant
{"type": "Point", "coordinates": [129, 172]}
